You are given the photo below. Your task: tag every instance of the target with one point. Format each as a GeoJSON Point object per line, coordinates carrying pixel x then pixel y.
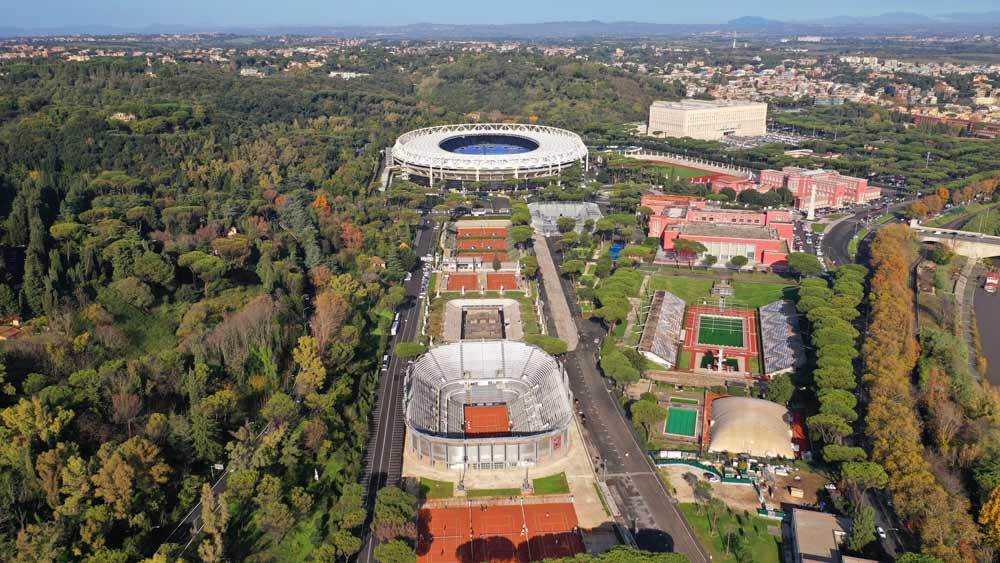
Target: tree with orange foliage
{"type": "Point", "coordinates": [320, 204]}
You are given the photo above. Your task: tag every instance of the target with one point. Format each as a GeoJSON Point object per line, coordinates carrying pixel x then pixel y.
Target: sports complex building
{"type": "Point", "coordinates": [487, 405]}
{"type": "Point", "coordinates": [722, 338]}
{"type": "Point", "coordinates": [487, 152]}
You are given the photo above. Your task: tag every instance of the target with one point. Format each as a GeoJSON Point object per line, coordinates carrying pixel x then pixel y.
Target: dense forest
{"type": "Point", "coordinates": [205, 275]}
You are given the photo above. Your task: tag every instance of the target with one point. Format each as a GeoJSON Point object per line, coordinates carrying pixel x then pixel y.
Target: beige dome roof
{"type": "Point", "coordinates": [750, 426]}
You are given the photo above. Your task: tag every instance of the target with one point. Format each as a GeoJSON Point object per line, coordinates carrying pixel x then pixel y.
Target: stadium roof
{"type": "Point", "coordinates": [750, 426]}
{"type": "Point", "coordinates": [752, 232]}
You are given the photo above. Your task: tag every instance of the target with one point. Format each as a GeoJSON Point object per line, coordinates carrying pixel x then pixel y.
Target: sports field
{"type": "Point", "coordinates": [679, 172]}
{"type": "Point", "coordinates": [681, 421]}
{"type": "Point", "coordinates": [715, 330]}
{"type": "Point", "coordinates": [486, 421]}
{"type": "Point", "coordinates": [512, 533]}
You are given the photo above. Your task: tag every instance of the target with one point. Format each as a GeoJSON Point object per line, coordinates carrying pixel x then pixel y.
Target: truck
{"type": "Point", "coordinates": [992, 282]}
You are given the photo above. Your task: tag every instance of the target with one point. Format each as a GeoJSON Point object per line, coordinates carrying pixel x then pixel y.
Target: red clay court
{"type": "Point", "coordinates": [486, 421]}
{"type": "Point", "coordinates": [497, 533]}
{"type": "Point", "coordinates": [482, 244]}
{"type": "Point", "coordinates": [496, 282]}
{"type": "Point", "coordinates": [468, 282]}
{"type": "Point", "coordinates": [482, 232]}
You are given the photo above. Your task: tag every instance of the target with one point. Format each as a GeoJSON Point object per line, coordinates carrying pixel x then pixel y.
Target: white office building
{"type": "Point", "coordinates": [708, 120]}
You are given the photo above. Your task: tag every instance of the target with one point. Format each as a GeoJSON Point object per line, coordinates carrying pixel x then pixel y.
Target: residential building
{"type": "Point", "coordinates": [708, 120]}
{"type": "Point", "coordinates": [817, 189]}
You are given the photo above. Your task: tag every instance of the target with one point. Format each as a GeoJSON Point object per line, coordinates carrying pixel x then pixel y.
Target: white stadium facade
{"type": "Point", "coordinates": [523, 391]}
{"type": "Point", "coordinates": [487, 152]}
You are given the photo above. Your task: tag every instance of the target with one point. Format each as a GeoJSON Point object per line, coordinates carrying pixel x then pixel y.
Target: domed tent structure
{"type": "Point", "coordinates": [742, 425]}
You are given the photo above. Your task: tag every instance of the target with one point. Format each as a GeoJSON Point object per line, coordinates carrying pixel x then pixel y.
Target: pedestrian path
{"type": "Point", "coordinates": [558, 307]}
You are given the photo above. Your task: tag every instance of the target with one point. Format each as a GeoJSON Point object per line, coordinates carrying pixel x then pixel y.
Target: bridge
{"type": "Point", "coordinates": [973, 245]}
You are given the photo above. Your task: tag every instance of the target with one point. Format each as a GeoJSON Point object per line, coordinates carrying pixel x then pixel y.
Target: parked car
{"type": "Point", "coordinates": [711, 477]}
{"type": "Point", "coordinates": [880, 532]}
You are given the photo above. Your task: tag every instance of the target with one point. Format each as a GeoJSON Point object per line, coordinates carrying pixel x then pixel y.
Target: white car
{"type": "Point", "coordinates": [880, 532]}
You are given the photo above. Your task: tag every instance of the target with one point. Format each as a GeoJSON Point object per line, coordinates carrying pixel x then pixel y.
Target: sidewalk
{"type": "Point", "coordinates": [558, 308]}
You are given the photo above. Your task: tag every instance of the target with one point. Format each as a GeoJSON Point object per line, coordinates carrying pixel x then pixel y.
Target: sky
{"type": "Point", "coordinates": [136, 14]}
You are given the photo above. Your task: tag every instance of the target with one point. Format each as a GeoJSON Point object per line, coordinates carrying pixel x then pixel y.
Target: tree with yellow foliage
{"type": "Point", "coordinates": [989, 517]}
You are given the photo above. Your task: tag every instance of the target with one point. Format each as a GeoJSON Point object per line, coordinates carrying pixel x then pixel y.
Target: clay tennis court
{"type": "Point", "coordinates": [486, 421]}
{"type": "Point", "coordinates": [482, 244]}
{"type": "Point", "coordinates": [458, 282]}
{"type": "Point", "coordinates": [496, 282]}
{"type": "Point", "coordinates": [498, 533]}
{"type": "Point", "coordinates": [482, 232]}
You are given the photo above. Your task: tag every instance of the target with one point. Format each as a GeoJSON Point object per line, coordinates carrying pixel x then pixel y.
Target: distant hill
{"type": "Point", "coordinates": [755, 22]}
{"type": "Point", "coordinates": [984, 22]}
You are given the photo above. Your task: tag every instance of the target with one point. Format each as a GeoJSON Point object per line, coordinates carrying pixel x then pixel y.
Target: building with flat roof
{"type": "Point", "coordinates": [763, 236]}
{"type": "Point", "coordinates": [817, 189]}
{"type": "Point", "coordinates": [707, 120]}
{"type": "Point", "coordinates": [816, 536]}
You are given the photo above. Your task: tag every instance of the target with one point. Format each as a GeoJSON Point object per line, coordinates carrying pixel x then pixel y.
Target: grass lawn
{"type": "Point", "coordinates": [684, 400]}
{"type": "Point", "coordinates": [684, 361]}
{"type": "Point", "coordinates": [479, 493]}
{"type": "Point", "coordinates": [680, 172]}
{"type": "Point", "coordinates": [836, 216]}
{"type": "Point", "coordinates": [852, 246]}
{"type": "Point", "coordinates": [758, 294]}
{"type": "Point", "coordinates": [551, 485]}
{"type": "Point", "coordinates": [763, 547]}
{"type": "Point", "coordinates": [693, 290]}
{"type": "Point", "coordinates": [818, 227]}
{"type": "Point", "coordinates": [619, 331]}
{"type": "Point", "coordinates": [431, 489]}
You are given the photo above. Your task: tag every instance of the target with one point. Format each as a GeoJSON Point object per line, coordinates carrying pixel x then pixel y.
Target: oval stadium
{"type": "Point", "coordinates": [487, 152]}
{"type": "Point", "coordinates": [487, 405]}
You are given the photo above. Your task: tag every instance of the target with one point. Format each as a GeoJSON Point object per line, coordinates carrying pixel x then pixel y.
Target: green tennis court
{"type": "Point", "coordinates": [714, 330]}
{"type": "Point", "coordinates": [681, 421]}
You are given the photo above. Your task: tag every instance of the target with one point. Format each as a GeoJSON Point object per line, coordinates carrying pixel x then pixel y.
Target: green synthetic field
{"type": "Point", "coordinates": [681, 421]}
{"type": "Point", "coordinates": [749, 294]}
{"type": "Point", "coordinates": [720, 331]}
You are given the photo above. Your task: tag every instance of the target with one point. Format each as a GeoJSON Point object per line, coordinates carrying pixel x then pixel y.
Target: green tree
{"type": "Point", "coordinates": [395, 551]}
{"type": "Point", "coordinates": [739, 261]}
{"type": "Point", "coordinates": [207, 267]}
{"type": "Point", "coordinates": [862, 528]}
{"type": "Point", "coordinates": [831, 428]}
{"type": "Point", "coordinates": [834, 453]}
{"type": "Point", "coordinates": [550, 344]}
{"type": "Point", "coordinates": [838, 402]}
{"type": "Point", "coordinates": [521, 234]}
{"type": "Point", "coordinates": [780, 389]}
{"type": "Point", "coordinates": [393, 507]}
{"type": "Point", "coordinates": [804, 264]}
{"type": "Point", "coordinates": [860, 476]}
{"type": "Point", "coordinates": [529, 266]}
{"type": "Point", "coordinates": [709, 260]}
{"type": "Point", "coordinates": [647, 413]}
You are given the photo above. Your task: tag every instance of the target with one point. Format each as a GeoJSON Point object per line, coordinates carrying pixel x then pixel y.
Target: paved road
{"type": "Point", "coordinates": [383, 462]}
{"type": "Point", "coordinates": [837, 239]}
{"type": "Point", "coordinates": [644, 501]}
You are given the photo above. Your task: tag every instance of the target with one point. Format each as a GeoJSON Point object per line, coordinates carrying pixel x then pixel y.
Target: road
{"type": "Point", "coordinates": [383, 461]}
{"type": "Point", "coordinates": [837, 239]}
{"type": "Point", "coordinates": [987, 308]}
{"type": "Point", "coordinates": [630, 474]}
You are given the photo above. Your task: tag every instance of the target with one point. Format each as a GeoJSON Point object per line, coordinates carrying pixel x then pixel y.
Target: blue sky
{"type": "Point", "coordinates": [139, 13]}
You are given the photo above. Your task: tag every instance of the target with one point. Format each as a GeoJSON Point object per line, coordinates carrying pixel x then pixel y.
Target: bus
{"type": "Point", "coordinates": [395, 325]}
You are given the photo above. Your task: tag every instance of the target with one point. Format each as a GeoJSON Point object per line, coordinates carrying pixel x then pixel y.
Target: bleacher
{"type": "Point", "coordinates": [447, 378]}
{"type": "Point", "coordinates": [782, 340]}
{"type": "Point", "coordinates": [661, 335]}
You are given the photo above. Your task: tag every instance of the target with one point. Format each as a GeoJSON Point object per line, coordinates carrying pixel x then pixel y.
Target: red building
{"type": "Point", "coordinates": [817, 189]}
{"type": "Point", "coordinates": [763, 237]}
